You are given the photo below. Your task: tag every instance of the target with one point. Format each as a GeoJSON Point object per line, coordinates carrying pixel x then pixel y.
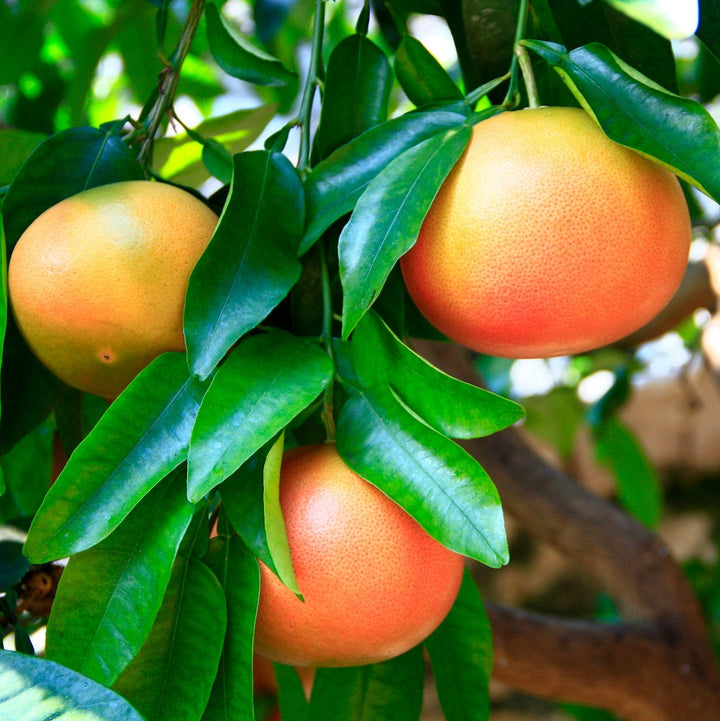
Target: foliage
{"type": "Point", "coordinates": [320, 135]}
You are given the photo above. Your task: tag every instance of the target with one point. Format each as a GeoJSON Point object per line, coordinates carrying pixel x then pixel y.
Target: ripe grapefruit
{"type": "Point", "coordinates": [374, 583]}
{"type": "Point", "coordinates": [97, 282]}
{"type": "Point", "coordinates": [547, 238]}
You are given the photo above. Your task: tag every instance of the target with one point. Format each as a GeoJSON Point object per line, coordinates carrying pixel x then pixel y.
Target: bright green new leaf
{"type": "Point", "coordinates": [237, 570]}
{"type": "Point", "coordinates": [421, 76]}
{"type": "Point", "coordinates": [172, 677]}
{"type": "Point", "coordinates": [265, 383]}
{"type": "Point", "coordinates": [638, 485]}
{"type": "Point", "coordinates": [109, 595]}
{"type": "Point", "coordinates": [141, 437]}
{"type": "Point", "coordinates": [451, 406]}
{"type": "Point", "coordinates": [387, 218]}
{"type": "Point", "coordinates": [431, 477]}
{"type": "Point", "coordinates": [461, 655]}
{"type": "Point", "coordinates": [250, 264]}
{"type": "Point", "coordinates": [238, 57]}
{"type": "Point", "coordinates": [387, 691]}
{"type": "Point", "coordinates": [41, 690]}
{"type": "Point", "coordinates": [636, 112]}
{"type": "Point", "coordinates": [673, 19]}
{"type": "Point", "coordinates": [334, 185]}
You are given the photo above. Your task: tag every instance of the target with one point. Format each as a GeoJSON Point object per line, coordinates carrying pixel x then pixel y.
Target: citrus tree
{"type": "Point", "coordinates": [269, 265]}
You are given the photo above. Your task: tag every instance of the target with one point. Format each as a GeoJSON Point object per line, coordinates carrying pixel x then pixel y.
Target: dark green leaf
{"type": "Point", "coordinates": [451, 406]}
{"type": "Point", "coordinates": [358, 82]}
{"type": "Point", "coordinates": [109, 595]}
{"type": "Point", "coordinates": [431, 477]}
{"type": "Point", "coordinates": [388, 691]}
{"type": "Point", "coordinates": [238, 57]}
{"type": "Point", "coordinates": [461, 654]}
{"type": "Point", "coordinates": [237, 570]}
{"type": "Point", "coordinates": [387, 218]}
{"type": "Point", "coordinates": [266, 382]}
{"type": "Point", "coordinates": [172, 676]}
{"type": "Point", "coordinates": [709, 30]}
{"type": "Point", "coordinates": [15, 146]}
{"type": "Point", "coordinates": [42, 690]}
{"type": "Point", "coordinates": [63, 165]}
{"type": "Point", "coordinates": [141, 438]}
{"type": "Point", "coordinates": [421, 76]}
{"type": "Point", "coordinates": [634, 111]}
{"type": "Point", "coordinates": [333, 187]}
{"type": "Point", "coordinates": [13, 563]}
{"type": "Point", "coordinates": [250, 264]}
{"type": "Point", "coordinates": [292, 700]}
{"type": "Point", "coordinates": [638, 484]}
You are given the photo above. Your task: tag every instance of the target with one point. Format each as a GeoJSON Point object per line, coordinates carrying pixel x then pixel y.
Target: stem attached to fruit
{"type": "Point", "coordinates": [528, 76]}
{"type": "Point", "coordinates": [311, 83]}
{"type": "Point", "coordinates": [167, 83]}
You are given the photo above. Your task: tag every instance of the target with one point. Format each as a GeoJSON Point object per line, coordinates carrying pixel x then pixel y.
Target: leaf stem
{"type": "Point", "coordinates": [511, 98]}
{"type": "Point", "coordinates": [328, 402]}
{"type": "Point", "coordinates": [311, 83]}
{"type": "Point", "coordinates": [167, 83]}
{"type": "Point", "coordinates": [528, 76]}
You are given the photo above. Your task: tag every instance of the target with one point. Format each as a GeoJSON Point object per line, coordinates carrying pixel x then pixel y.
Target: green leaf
{"type": "Point", "coordinates": [357, 89]}
{"type": "Point", "coordinates": [265, 382]}
{"type": "Point", "coordinates": [251, 263]}
{"type": "Point", "coordinates": [42, 690]}
{"type": "Point", "coordinates": [238, 57]}
{"type": "Point", "coordinates": [13, 564]}
{"type": "Point", "coordinates": [387, 218]}
{"type": "Point", "coordinates": [292, 700]}
{"type": "Point", "coordinates": [15, 146]}
{"type": "Point", "coordinates": [431, 477]}
{"type": "Point", "coordinates": [65, 164]}
{"type": "Point", "coordinates": [637, 113]}
{"type": "Point", "coordinates": [237, 570]}
{"type": "Point", "coordinates": [387, 691]}
{"type": "Point", "coordinates": [421, 76]}
{"type": "Point", "coordinates": [109, 595]}
{"type": "Point", "coordinates": [172, 677]}
{"type": "Point", "coordinates": [461, 655]}
{"type": "Point", "coordinates": [671, 20]}
{"type": "Point", "coordinates": [334, 185]}
{"type": "Point", "coordinates": [638, 484]}
{"type": "Point", "coordinates": [709, 30]}
{"type": "Point", "coordinates": [141, 437]}
{"type": "Point", "coordinates": [451, 406]}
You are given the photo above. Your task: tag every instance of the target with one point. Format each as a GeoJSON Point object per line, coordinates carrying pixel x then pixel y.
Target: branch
{"type": "Point", "coordinates": [581, 661]}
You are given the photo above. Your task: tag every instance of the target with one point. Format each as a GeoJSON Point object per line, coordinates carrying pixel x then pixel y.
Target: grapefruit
{"type": "Point", "coordinates": [97, 282]}
{"type": "Point", "coordinates": [374, 583]}
{"type": "Point", "coordinates": [547, 238]}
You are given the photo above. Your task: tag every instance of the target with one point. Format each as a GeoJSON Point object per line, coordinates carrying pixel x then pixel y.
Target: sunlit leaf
{"type": "Point", "coordinates": [673, 19]}
{"type": "Point", "coordinates": [142, 436]}
{"type": "Point", "coordinates": [387, 218]}
{"type": "Point", "coordinates": [41, 690]}
{"type": "Point", "coordinates": [250, 264]}
{"type": "Point", "coordinates": [109, 595]}
{"type": "Point", "coordinates": [266, 382]}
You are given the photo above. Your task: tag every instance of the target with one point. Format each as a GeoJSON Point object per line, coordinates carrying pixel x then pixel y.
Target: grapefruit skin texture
{"type": "Point", "coordinates": [374, 583]}
{"type": "Point", "coordinates": [547, 238]}
{"type": "Point", "coordinates": [97, 282]}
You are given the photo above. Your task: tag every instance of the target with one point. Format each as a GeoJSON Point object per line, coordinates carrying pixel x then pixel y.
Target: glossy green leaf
{"type": "Point", "coordinates": [334, 185]}
{"type": "Point", "coordinates": [172, 677]}
{"type": "Point", "coordinates": [430, 476]}
{"type": "Point", "coordinates": [461, 655]}
{"type": "Point", "coordinates": [388, 691]}
{"type": "Point", "coordinates": [674, 20]}
{"type": "Point", "coordinates": [421, 76]}
{"type": "Point", "coordinates": [65, 164]}
{"type": "Point", "coordinates": [357, 87]}
{"type": "Point", "coordinates": [36, 689]}
{"type": "Point", "coordinates": [237, 570]}
{"type": "Point", "coordinates": [265, 382]}
{"type": "Point", "coordinates": [238, 57]}
{"type": "Point", "coordinates": [251, 263]}
{"type": "Point", "coordinates": [142, 436]}
{"type": "Point", "coordinates": [638, 485]}
{"type": "Point", "coordinates": [388, 216]}
{"type": "Point", "coordinates": [109, 595]}
{"type": "Point", "coordinates": [634, 111]}
{"type": "Point", "coordinates": [451, 406]}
